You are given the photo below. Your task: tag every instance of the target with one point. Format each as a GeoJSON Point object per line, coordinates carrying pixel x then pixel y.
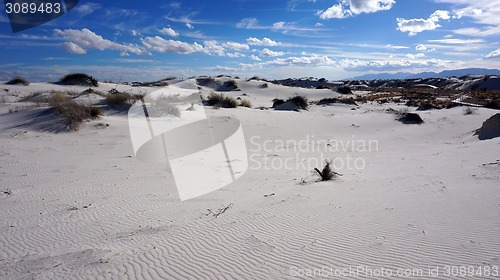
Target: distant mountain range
{"type": "Point", "coordinates": [443, 74]}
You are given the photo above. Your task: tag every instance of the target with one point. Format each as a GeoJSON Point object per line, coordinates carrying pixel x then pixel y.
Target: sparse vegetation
{"type": "Point", "coordinates": [344, 90]}
{"type": "Point", "coordinates": [18, 81]}
{"type": "Point", "coordinates": [74, 113]}
{"type": "Point", "coordinates": [220, 101]}
{"type": "Point", "coordinates": [277, 102]}
{"type": "Point", "coordinates": [300, 101]}
{"type": "Point", "coordinates": [231, 84]}
{"type": "Point", "coordinates": [246, 103]}
{"type": "Point", "coordinates": [264, 85]}
{"type": "Point", "coordinates": [79, 79]}
{"type": "Point", "coordinates": [327, 173]}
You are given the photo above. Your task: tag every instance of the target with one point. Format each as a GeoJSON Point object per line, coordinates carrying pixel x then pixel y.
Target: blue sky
{"type": "Point", "coordinates": [335, 39]}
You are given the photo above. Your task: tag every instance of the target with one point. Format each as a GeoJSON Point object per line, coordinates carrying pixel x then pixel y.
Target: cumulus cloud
{"type": "Point", "coordinates": [170, 46]}
{"type": "Point", "coordinates": [493, 54]}
{"type": "Point", "coordinates": [417, 25]}
{"type": "Point", "coordinates": [86, 39]}
{"type": "Point", "coordinates": [169, 32]}
{"type": "Point", "coordinates": [388, 65]}
{"type": "Point", "coordinates": [262, 42]}
{"type": "Point", "coordinates": [235, 46]}
{"type": "Point", "coordinates": [254, 57]}
{"type": "Point", "coordinates": [212, 47]}
{"type": "Point", "coordinates": [303, 60]}
{"type": "Point", "coordinates": [347, 8]}
{"type": "Point", "coordinates": [73, 48]}
{"type": "Point", "coordinates": [414, 56]}
{"type": "Point", "coordinates": [269, 53]}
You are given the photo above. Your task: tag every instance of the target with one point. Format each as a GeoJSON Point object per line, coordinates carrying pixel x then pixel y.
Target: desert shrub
{"type": "Point", "coordinates": [229, 102]}
{"type": "Point", "coordinates": [277, 102]}
{"type": "Point", "coordinates": [231, 84]}
{"type": "Point", "coordinates": [264, 85]}
{"type": "Point", "coordinates": [219, 100]}
{"type": "Point", "coordinates": [344, 90]}
{"type": "Point", "coordinates": [469, 110]}
{"type": "Point", "coordinates": [246, 103]}
{"type": "Point", "coordinates": [327, 173]}
{"type": "Point", "coordinates": [18, 81]}
{"type": "Point", "coordinates": [163, 106]}
{"type": "Point", "coordinates": [57, 98]}
{"type": "Point", "coordinates": [80, 79]}
{"type": "Point", "coordinates": [214, 99]}
{"type": "Point", "coordinates": [300, 101]}
{"type": "Point", "coordinates": [118, 98]}
{"type": "Point", "coordinates": [72, 112]}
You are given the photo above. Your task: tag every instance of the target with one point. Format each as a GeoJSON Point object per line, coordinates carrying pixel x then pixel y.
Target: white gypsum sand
{"type": "Point", "coordinates": [78, 205]}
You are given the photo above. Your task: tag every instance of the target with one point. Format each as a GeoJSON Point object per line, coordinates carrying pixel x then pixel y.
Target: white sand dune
{"type": "Point", "coordinates": [80, 206]}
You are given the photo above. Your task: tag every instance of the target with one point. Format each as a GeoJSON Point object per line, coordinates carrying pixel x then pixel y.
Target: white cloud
{"type": "Point", "coordinates": [212, 47]}
{"type": "Point", "coordinates": [421, 48]}
{"type": "Point", "coordinates": [349, 8]}
{"type": "Point", "coordinates": [269, 53]}
{"type": "Point", "coordinates": [303, 60]}
{"type": "Point", "coordinates": [235, 55]}
{"type": "Point", "coordinates": [235, 46]}
{"type": "Point", "coordinates": [73, 48]}
{"type": "Point", "coordinates": [457, 41]}
{"type": "Point", "coordinates": [264, 42]}
{"type": "Point", "coordinates": [484, 12]}
{"type": "Point", "coordinates": [225, 69]}
{"type": "Point", "coordinates": [417, 25]}
{"type": "Point", "coordinates": [170, 46]}
{"type": "Point", "coordinates": [335, 11]}
{"type": "Point", "coordinates": [254, 57]}
{"type": "Point", "coordinates": [189, 25]}
{"type": "Point", "coordinates": [414, 56]}
{"type": "Point", "coordinates": [389, 46]}
{"type": "Point", "coordinates": [135, 33]}
{"type": "Point", "coordinates": [318, 24]}
{"type": "Point", "coordinates": [493, 54]}
{"type": "Point", "coordinates": [86, 39]}
{"type": "Point", "coordinates": [248, 23]}
{"type": "Point", "coordinates": [87, 8]}
{"type": "Point", "coordinates": [388, 65]}
{"type": "Point", "coordinates": [169, 32]}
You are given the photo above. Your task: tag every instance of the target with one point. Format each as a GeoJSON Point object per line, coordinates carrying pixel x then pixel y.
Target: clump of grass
{"type": "Point", "coordinates": [344, 90]}
{"type": "Point", "coordinates": [246, 103]}
{"type": "Point", "coordinates": [327, 173]}
{"type": "Point", "coordinates": [264, 85]}
{"type": "Point", "coordinates": [80, 79]}
{"type": "Point", "coordinates": [219, 100]}
{"type": "Point", "coordinates": [164, 106]}
{"type": "Point", "coordinates": [231, 84]}
{"type": "Point", "coordinates": [74, 113]}
{"type": "Point", "coordinates": [18, 81]}
{"type": "Point", "coordinates": [300, 101]}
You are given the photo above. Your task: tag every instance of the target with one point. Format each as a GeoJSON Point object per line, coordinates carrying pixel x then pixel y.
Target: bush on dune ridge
{"type": "Point", "coordinates": [78, 79]}
{"type": "Point", "coordinates": [18, 81]}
